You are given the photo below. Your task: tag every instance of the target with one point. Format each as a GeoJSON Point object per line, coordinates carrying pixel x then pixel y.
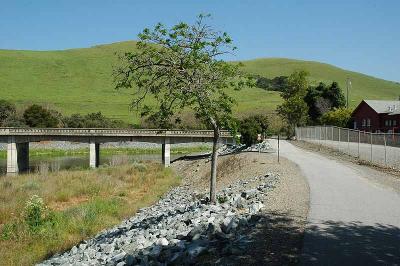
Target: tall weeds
{"type": "Point", "coordinates": [45, 213]}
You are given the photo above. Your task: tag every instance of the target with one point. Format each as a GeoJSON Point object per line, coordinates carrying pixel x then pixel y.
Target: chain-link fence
{"type": "Point", "coordinates": [378, 148]}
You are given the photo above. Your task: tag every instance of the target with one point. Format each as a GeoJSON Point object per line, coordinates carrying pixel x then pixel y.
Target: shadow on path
{"type": "Point", "coordinates": [277, 239]}
{"type": "Point", "coordinates": [338, 243]}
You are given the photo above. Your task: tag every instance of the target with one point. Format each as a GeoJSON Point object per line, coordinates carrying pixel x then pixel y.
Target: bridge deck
{"type": "Point", "coordinates": [18, 139]}
{"type": "Point", "coordinates": [109, 132]}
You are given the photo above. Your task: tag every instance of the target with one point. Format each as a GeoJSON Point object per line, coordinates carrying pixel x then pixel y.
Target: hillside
{"type": "Point", "coordinates": [363, 86]}
{"type": "Point", "coordinates": [80, 81]}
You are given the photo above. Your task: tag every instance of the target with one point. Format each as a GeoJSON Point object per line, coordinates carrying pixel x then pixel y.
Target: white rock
{"type": "Point", "coordinates": [255, 207]}
{"type": "Point", "coordinates": [162, 242]}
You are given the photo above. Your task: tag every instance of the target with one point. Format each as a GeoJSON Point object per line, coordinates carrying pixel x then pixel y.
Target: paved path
{"type": "Point", "coordinates": [351, 221]}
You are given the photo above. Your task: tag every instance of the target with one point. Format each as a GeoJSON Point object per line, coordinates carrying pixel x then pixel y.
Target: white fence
{"type": "Point", "coordinates": [378, 148]}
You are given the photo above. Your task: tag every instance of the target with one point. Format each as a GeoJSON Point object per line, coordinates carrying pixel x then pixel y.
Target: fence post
{"type": "Point", "coordinates": [359, 139]}
{"type": "Point", "coordinates": [348, 141]}
{"type": "Point", "coordinates": [384, 141]}
{"type": "Point", "coordinates": [371, 145]}
{"type": "Point", "coordinates": [339, 139]}
{"type": "Point", "coordinates": [332, 132]}
{"type": "Point", "coordinates": [315, 133]}
{"type": "Point", "coordinates": [320, 136]}
{"type": "Point", "coordinates": [326, 135]}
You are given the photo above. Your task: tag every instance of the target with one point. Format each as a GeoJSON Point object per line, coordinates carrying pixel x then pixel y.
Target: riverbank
{"type": "Point", "coordinates": [259, 218]}
{"type": "Point", "coordinates": [72, 206]}
{"type": "Point", "coordinates": [55, 151]}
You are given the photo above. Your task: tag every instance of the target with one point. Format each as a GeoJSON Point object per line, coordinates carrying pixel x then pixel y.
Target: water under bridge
{"type": "Point", "coordinates": [18, 140]}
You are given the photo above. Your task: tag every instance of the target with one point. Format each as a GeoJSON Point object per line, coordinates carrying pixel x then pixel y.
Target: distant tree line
{"type": "Point", "coordinates": [38, 116]}
{"type": "Point", "coordinates": [274, 84]}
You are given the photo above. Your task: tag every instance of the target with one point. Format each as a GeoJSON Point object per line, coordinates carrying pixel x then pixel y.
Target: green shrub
{"type": "Point", "coordinates": [274, 84]}
{"type": "Point", "coordinates": [250, 127]}
{"type": "Point", "coordinates": [222, 199]}
{"type": "Point", "coordinates": [14, 121]}
{"type": "Point", "coordinates": [7, 110]}
{"type": "Point", "coordinates": [339, 117]}
{"type": "Point", "coordinates": [36, 213]}
{"type": "Point", "coordinates": [37, 116]}
{"type": "Point", "coordinates": [92, 120]}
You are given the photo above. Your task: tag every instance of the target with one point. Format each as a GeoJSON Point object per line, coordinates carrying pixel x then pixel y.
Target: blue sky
{"type": "Point", "coordinates": [358, 35]}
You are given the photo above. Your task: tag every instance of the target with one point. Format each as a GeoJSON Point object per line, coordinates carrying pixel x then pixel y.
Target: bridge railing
{"type": "Point", "coordinates": [109, 132]}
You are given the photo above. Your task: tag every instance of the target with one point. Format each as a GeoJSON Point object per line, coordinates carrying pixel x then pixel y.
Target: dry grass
{"type": "Point", "coordinates": [81, 204]}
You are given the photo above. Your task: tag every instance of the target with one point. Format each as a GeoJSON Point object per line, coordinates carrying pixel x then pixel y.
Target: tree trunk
{"type": "Point", "coordinates": [213, 179]}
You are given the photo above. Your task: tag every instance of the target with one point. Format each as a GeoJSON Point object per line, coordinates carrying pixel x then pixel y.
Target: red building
{"type": "Point", "coordinates": [377, 116]}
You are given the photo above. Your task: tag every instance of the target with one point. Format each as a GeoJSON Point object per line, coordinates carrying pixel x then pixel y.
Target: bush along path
{"type": "Point", "coordinates": [181, 229]}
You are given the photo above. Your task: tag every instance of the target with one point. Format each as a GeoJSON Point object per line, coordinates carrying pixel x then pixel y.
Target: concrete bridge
{"type": "Point", "coordinates": [18, 139]}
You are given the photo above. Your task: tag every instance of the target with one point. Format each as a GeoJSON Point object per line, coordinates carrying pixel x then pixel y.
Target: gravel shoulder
{"type": "Point", "coordinates": [278, 237]}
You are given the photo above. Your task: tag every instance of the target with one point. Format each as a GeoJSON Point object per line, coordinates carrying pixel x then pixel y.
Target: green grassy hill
{"type": "Point", "coordinates": [80, 81]}
{"type": "Point", "coordinates": [363, 86]}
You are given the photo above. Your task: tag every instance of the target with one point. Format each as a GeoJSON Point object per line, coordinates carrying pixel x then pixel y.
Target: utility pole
{"type": "Point", "coordinates": [347, 96]}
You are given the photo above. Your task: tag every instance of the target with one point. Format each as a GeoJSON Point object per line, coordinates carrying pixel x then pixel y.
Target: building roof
{"type": "Point", "coordinates": [384, 107]}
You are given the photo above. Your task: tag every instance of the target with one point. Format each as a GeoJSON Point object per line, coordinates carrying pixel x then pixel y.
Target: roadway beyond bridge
{"type": "Point", "coordinates": [18, 140]}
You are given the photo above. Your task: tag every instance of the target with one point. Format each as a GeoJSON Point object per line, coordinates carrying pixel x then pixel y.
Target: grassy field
{"type": "Point", "coordinates": [80, 80]}
{"type": "Point", "coordinates": [76, 205]}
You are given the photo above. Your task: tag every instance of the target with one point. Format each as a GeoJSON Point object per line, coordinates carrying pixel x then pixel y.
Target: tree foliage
{"type": "Point", "coordinates": [275, 84]}
{"type": "Point", "coordinates": [335, 95]}
{"type": "Point", "coordinates": [181, 67]}
{"type": "Point", "coordinates": [297, 85]}
{"type": "Point", "coordinates": [339, 117]}
{"type": "Point", "coordinates": [250, 127]}
{"type": "Point", "coordinates": [7, 110]}
{"type": "Point", "coordinates": [294, 109]}
{"type": "Point", "coordinates": [92, 120]}
{"type": "Point", "coordinates": [37, 116]}
{"type": "Point", "coordinates": [323, 98]}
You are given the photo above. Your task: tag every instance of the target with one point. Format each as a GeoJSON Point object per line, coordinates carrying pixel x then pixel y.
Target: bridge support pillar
{"type": "Point", "coordinates": [17, 156]}
{"type": "Point", "coordinates": [166, 152]}
{"type": "Point", "coordinates": [94, 154]}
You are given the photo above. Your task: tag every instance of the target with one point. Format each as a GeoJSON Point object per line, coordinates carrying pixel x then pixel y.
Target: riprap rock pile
{"type": "Point", "coordinates": [178, 229]}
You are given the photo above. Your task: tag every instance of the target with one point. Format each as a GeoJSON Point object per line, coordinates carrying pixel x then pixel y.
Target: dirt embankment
{"type": "Point", "coordinates": [278, 238]}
